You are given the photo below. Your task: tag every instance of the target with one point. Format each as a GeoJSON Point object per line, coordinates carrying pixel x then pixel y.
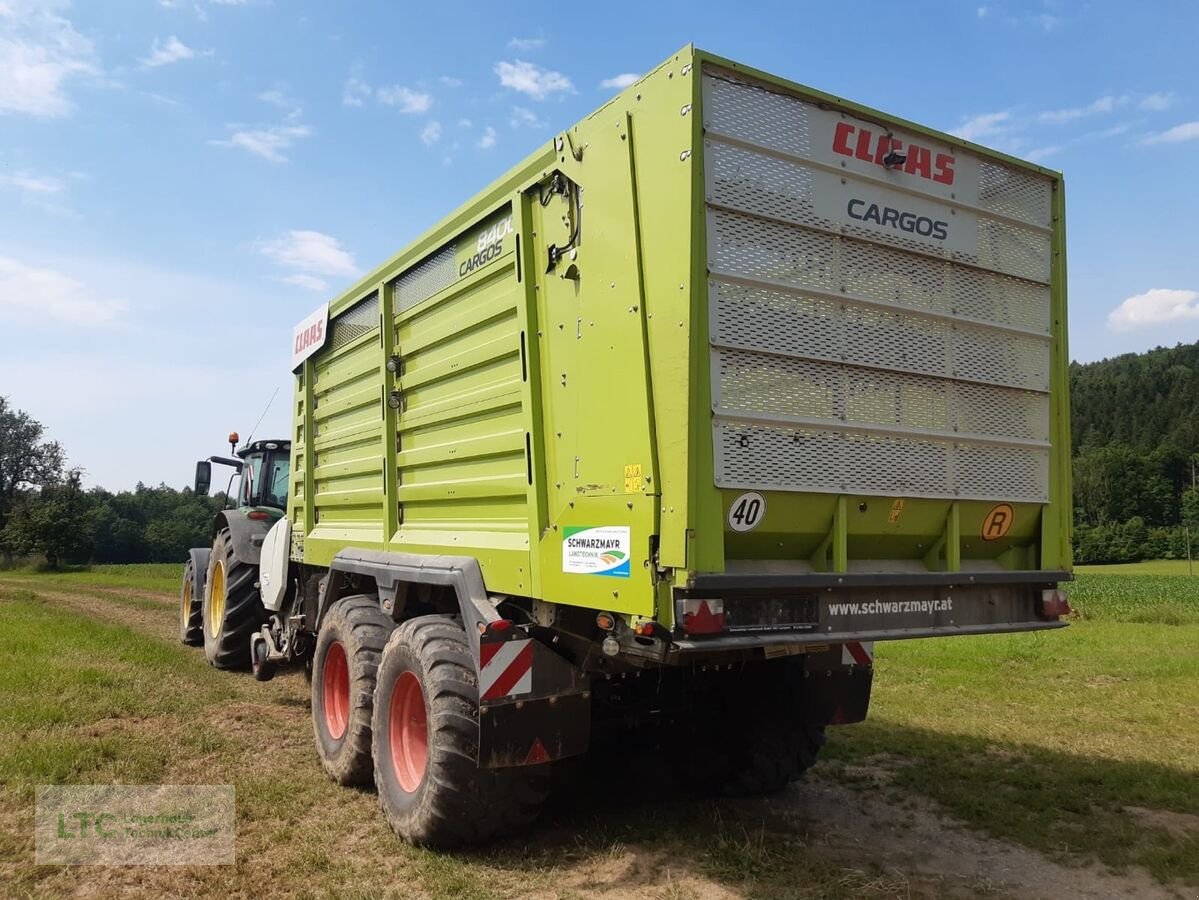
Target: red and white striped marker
{"type": "Point", "coordinates": [505, 669]}
{"type": "Point", "coordinates": [857, 653]}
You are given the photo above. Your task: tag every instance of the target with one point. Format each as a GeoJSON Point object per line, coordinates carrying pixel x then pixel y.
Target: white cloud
{"type": "Point", "coordinates": [1045, 21]}
{"type": "Point", "coordinates": [163, 54]}
{"type": "Point", "coordinates": [1187, 131]}
{"type": "Point", "coordinates": [308, 282]}
{"type": "Point", "coordinates": [1101, 106]}
{"type": "Point", "coordinates": [29, 292]}
{"type": "Point", "coordinates": [450, 82]}
{"type": "Point", "coordinates": [982, 12]}
{"type": "Point", "coordinates": [431, 134]}
{"type": "Point", "coordinates": [355, 92]}
{"type": "Point", "coordinates": [524, 118]}
{"type": "Point", "coordinates": [981, 126]}
{"type": "Point", "coordinates": [619, 82]}
{"type": "Point", "coordinates": [40, 51]}
{"type": "Point", "coordinates": [1155, 307]}
{"type": "Point", "coordinates": [533, 80]}
{"type": "Point", "coordinates": [405, 99]}
{"type": "Point", "coordinates": [269, 142]}
{"type": "Point", "coordinates": [1156, 102]}
{"type": "Point", "coordinates": [487, 141]}
{"type": "Point", "coordinates": [310, 253]}
{"type": "Point", "coordinates": [465, 123]}
{"type": "Point", "coordinates": [1040, 153]}
{"type": "Point", "coordinates": [525, 44]}
{"type": "Point", "coordinates": [30, 183]}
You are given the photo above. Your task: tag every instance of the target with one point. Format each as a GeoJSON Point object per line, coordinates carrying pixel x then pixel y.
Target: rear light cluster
{"type": "Point", "coordinates": [703, 616]}
{"type": "Point", "coordinates": [1054, 604]}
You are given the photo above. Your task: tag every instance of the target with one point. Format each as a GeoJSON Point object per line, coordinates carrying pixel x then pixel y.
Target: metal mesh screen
{"type": "Point", "coordinates": [853, 359]}
{"type": "Point", "coordinates": [353, 323]}
{"type": "Point", "coordinates": [426, 278]}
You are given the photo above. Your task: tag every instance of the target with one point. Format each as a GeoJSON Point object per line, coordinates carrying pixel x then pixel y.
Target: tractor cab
{"type": "Point", "coordinates": [264, 467]}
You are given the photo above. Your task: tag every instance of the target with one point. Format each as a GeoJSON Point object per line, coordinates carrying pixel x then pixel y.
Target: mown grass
{"type": "Point", "coordinates": [1046, 740]}
{"type": "Point", "coordinates": [1056, 740]}
{"type": "Point", "coordinates": [145, 576]}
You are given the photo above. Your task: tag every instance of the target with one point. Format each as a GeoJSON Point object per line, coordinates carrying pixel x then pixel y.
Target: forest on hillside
{"type": "Point", "coordinates": [1135, 425]}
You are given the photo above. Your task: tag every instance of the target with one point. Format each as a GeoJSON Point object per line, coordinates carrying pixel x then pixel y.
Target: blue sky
{"type": "Point", "coordinates": [183, 180]}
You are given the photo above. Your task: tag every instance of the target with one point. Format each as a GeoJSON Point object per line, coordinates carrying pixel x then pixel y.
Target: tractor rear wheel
{"type": "Point", "coordinates": [232, 607]}
{"type": "Point", "coordinates": [344, 664]}
{"type": "Point", "coordinates": [191, 616]}
{"type": "Point", "coordinates": [426, 742]}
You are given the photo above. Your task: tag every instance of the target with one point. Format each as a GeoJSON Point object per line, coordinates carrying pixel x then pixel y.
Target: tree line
{"type": "Point", "coordinates": [1135, 432]}
{"type": "Point", "coordinates": [46, 513]}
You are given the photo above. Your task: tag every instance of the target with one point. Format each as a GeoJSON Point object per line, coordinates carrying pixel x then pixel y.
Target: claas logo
{"type": "Point", "coordinates": [862, 143]}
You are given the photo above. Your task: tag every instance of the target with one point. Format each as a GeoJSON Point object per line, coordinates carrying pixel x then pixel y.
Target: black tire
{"type": "Point", "coordinates": [228, 622]}
{"type": "Point", "coordinates": [772, 757]}
{"type": "Point", "coordinates": [191, 601]}
{"type": "Point", "coordinates": [750, 737]}
{"type": "Point", "coordinates": [453, 802]}
{"type": "Point", "coordinates": [360, 628]}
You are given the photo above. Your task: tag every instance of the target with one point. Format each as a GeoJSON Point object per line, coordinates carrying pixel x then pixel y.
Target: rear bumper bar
{"type": "Point", "coordinates": [791, 638]}
{"type": "Point", "coordinates": [772, 609]}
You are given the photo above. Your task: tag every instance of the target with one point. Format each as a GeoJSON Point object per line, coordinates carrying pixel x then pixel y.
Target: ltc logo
{"type": "Point", "coordinates": [998, 522]}
{"type": "Point", "coordinates": [85, 825]}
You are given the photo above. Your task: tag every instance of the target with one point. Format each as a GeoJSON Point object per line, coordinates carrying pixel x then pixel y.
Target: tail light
{"type": "Point", "coordinates": [1054, 604]}
{"type": "Point", "coordinates": [702, 616]}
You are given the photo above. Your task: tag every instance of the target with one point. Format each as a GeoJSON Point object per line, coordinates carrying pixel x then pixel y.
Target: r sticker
{"type": "Point", "coordinates": [747, 512]}
{"type": "Point", "coordinates": [596, 550]}
{"type": "Point", "coordinates": [998, 522]}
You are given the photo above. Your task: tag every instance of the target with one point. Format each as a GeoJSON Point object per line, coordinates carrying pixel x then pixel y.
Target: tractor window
{"type": "Point", "coordinates": [277, 475]}
{"type": "Point", "coordinates": [251, 481]}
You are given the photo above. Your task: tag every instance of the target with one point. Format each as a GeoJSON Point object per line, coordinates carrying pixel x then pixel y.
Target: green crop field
{"type": "Point", "coordinates": [1072, 757]}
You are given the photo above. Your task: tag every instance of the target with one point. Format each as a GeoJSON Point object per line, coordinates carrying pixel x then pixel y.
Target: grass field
{"type": "Point", "coordinates": [1060, 750]}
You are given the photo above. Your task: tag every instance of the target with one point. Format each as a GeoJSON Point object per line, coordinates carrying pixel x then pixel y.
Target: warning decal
{"type": "Point", "coordinates": [505, 669]}
{"type": "Point", "coordinates": [857, 653]}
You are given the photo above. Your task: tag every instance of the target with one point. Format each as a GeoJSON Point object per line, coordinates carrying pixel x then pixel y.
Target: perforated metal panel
{"type": "Point", "coordinates": [426, 278]}
{"type": "Point", "coordinates": [851, 357]}
{"type": "Point", "coordinates": [353, 323]}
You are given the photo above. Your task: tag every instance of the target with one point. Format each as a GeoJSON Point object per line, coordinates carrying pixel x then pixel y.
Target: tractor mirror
{"type": "Point", "coordinates": [203, 477]}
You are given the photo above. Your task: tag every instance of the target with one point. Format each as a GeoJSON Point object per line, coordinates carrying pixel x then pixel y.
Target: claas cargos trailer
{"type": "Point", "coordinates": [661, 431]}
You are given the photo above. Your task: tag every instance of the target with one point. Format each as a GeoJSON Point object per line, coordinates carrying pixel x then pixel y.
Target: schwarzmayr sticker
{"type": "Point", "coordinates": [602, 550]}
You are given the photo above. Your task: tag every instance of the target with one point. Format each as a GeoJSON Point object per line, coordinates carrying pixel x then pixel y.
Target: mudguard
{"type": "Point", "coordinates": [248, 534]}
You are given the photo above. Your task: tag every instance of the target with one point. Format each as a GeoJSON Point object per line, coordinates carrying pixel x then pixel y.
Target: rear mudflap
{"type": "Point", "coordinates": [534, 706]}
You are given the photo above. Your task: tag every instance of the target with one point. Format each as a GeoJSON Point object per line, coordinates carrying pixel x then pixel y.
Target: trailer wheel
{"type": "Point", "coordinates": [426, 744]}
{"type": "Point", "coordinates": [232, 609]}
{"type": "Point", "coordinates": [769, 758]}
{"type": "Point", "coordinates": [191, 615]}
{"type": "Point", "coordinates": [344, 664]}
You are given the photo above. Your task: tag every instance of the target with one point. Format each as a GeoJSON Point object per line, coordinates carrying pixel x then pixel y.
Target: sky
{"type": "Point", "coordinates": [181, 181]}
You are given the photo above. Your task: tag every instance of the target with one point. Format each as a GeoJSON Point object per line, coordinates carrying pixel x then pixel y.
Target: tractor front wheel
{"type": "Point", "coordinates": [191, 599]}
{"type": "Point", "coordinates": [232, 608]}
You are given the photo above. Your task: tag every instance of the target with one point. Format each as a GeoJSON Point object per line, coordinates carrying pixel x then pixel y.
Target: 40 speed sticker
{"type": "Point", "coordinates": [596, 550]}
{"type": "Point", "coordinates": [747, 512]}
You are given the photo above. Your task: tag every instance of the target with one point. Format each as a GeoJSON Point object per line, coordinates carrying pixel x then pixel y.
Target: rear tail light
{"type": "Point", "coordinates": [703, 616]}
{"type": "Point", "coordinates": [1054, 604]}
